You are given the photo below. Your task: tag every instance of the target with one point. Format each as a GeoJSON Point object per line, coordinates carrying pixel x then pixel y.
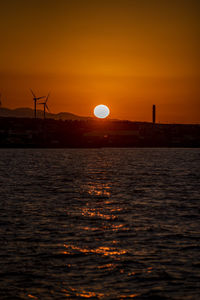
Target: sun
{"type": "Point", "coordinates": [101, 111]}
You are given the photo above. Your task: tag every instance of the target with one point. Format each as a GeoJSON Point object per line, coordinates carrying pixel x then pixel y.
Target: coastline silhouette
{"type": "Point", "coordinates": [47, 133]}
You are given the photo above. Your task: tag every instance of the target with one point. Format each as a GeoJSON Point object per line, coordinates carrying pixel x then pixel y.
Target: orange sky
{"type": "Point", "coordinates": [127, 54]}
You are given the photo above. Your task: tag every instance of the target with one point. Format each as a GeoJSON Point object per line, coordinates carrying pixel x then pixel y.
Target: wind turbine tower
{"type": "Point", "coordinates": [45, 105]}
{"type": "Point", "coordinates": [35, 99]}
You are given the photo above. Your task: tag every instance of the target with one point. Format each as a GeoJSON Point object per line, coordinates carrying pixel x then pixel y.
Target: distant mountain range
{"type": "Point", "coordinates": [26, 112]}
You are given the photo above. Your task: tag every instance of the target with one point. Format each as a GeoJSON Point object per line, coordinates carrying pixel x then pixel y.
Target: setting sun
{"type": "Point", "coordinates": [101, 111]}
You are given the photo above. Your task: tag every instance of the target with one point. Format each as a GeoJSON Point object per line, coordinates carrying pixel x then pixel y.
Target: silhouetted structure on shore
{"type": "Point", "coordinates": [45, 105]}
{"type": "Point", "coordinates": [49, 133]}
{"type": "Point", "coordinates": [35, 99]}
{"type": "Point", "coordinates": [154, 114]}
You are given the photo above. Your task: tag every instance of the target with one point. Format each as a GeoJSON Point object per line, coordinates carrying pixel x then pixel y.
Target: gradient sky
{"type": "Point", "coordinates": [127, 54]}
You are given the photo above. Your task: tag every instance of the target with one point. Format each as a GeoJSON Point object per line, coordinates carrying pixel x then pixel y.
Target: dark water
{"type": "Point", "coordinates": [99, 224]}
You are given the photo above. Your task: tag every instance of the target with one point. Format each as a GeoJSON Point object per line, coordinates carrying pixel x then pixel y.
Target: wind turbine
{"type": "Point", "coordinates": [45, 105]}
{"type": "Point", "coordinates": [35, 99]}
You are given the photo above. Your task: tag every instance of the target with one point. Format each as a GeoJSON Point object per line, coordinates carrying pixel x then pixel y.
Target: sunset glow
{"type": "Point", "coordinates": [131, 53]}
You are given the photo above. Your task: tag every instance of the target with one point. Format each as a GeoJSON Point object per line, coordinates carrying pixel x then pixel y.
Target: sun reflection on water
{"type": "Point", "coordinates": [108, 266]}
{"type": "Point", "coordinates": [97, 189]}
{"type": "Point", "coordinates": [31, 296]}
{"type": "Point", "coordinates": [103, 250]}
{"type": "Point", "coordinates": [83, 294]}
{"type": "Point", "coordinates": [102, 213]}
{"type": "Point", "coordinates": [96, 212]}
{"type": "Point", "coordinates": [71, 292]}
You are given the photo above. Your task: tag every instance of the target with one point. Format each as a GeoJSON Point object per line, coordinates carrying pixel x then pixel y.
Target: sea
{"type": "Point", "coordinates": [106, 223]}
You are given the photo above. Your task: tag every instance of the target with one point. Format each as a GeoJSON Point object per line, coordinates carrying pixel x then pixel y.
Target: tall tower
{"type": "Point", "coordinates": [154, 114]}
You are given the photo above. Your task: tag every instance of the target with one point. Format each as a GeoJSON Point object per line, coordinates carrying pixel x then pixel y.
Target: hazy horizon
{"type": "Point", "coordinates": [40, 115]}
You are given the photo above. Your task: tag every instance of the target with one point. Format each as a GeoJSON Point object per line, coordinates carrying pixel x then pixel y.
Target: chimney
{"type": "Point", "coordinates": [154, 114]}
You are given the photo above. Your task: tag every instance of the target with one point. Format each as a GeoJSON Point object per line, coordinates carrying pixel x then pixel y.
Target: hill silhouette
{"type": "Point", "coordinates": [26, 112]}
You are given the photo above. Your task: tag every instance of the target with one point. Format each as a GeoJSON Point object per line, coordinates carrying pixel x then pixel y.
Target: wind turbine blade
{"type": "Point", "coordinates": [32, 93]}
{"type": "Point", "coordinates": [40, 98]}
{"type": "Point", "coordinates": [47, 97]}
{"type": "Point", "coordinates": [47, 107]}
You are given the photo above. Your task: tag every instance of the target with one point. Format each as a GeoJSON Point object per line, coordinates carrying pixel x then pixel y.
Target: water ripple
{"type": "Point", "coordinates": [99, 224]}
